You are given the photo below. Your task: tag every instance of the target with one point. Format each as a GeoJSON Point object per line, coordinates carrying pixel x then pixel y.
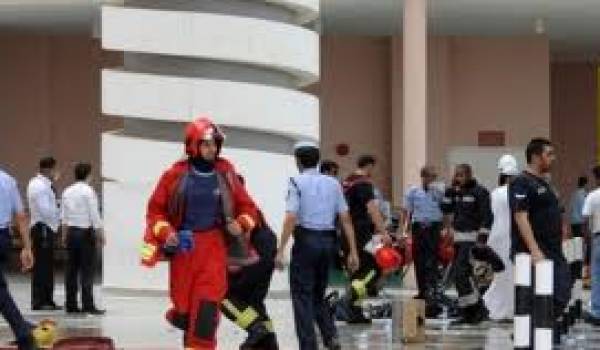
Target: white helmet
{"type": "Point", "coordinates": [507, 165]}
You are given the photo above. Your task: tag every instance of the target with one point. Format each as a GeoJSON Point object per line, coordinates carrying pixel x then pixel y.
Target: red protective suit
{"type": "Point", "coordinates": [198, 279]}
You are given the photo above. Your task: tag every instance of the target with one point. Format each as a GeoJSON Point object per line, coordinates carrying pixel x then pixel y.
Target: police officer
{"type": "Point", "coordinates": [329, 167]}
{"type": "Point", "coordinates": [537, 220]}
{"type": "Point", "coordinates": [314, 201]}
{"type": "Point", "coordinates": [11, 207]}
{"type": "Point", "coordinates": [468, 219]}
{"type": "Point", "coordinates": [423, 220]}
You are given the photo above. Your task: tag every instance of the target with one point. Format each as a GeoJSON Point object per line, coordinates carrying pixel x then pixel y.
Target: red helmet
{"type": "Point", "coordinates": [201, 129]}
{"type": "Point", "coordinates": [446, 250]}
{"type": "Point", "coordinates": [388, 258]}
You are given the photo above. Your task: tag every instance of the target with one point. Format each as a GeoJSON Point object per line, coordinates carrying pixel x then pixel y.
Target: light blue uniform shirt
{"type": "Point", "coordinates": [316, 200]}
{"type": "Point", "coordinates": [424, 205]}
{"type": "Point", "coordinates": [577, 206]}
{"type": "Point", "coordinates": [10, 200]}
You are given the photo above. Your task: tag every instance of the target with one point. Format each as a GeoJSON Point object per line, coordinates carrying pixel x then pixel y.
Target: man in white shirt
{"type": "Point", "coordinates": [83, 227]}
{"type": "Point", "coordinates": [44, 223]}
{"type": "Point", "coordinates": [591, 211]}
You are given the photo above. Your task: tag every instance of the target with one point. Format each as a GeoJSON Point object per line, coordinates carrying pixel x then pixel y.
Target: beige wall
{"type": "Point", "coordinates": [574, 111]}
{"type": "Point", "coordinates": [475, 84]}
{"type": "Point", "coordinates": [355, 101]}
{"type": "Point", "coordinates": [49, 102]}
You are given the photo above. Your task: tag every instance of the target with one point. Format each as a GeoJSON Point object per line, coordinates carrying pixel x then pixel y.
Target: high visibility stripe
{"type": "Point", "coordinates": [248, 317]}
{"type": "Point", "coordinates": [242, 318]}
{"type": "Point", "coordinates": [231, 308]}
{"type": "Point", "coordinates": [269, 325]}
{"type": "Point", "coordinates": [147, 250]}
{"type": "Point", "coordinates": [360, 286]}
{"type": "Point", "coordinates": [159, 226]}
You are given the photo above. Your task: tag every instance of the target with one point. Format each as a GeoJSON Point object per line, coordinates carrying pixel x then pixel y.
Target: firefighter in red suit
{"type": "Point", "coordinates": [197, 214]}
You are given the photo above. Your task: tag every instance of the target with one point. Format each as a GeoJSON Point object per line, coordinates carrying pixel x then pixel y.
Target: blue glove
{"type": "Point", "coordinates": [186, 240]}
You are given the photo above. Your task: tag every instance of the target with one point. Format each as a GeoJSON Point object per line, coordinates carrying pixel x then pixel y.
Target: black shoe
{"type": "Point", "coordinates": [433, 311]}
{"type": "Point", "coordinates": [333, 344]}
{"type": "Point", "coordinates": [464, 320]}
{"type": "Point", "coordinates": [46, 307]}
{"type": "Point", "coordinates": [73, 310]}
{"type": "Point", "coordinates": [54, 306]}
{"type": "Point", "coordinates": [25, 343]}
{"type": "Point", "coordinates": [471, 316]}
{"type": "Point", "coordinates": [94, 311]}
{"type": "Point", "coordinates": [556, 335]}
{"type": "Point", "coordinates": [357, 317]}
{"type": "Point", "coordinates": [591, 319]}
{"type": "Point", "coordinates": [256, 333]}
{"type": "Point", "coordinates": [269, 342]}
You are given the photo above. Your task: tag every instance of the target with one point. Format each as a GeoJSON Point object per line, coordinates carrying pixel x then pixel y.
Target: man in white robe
{"type": "Point", "coordinates": [499, 298]}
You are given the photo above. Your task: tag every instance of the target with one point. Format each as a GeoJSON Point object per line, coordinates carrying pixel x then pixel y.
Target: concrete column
{"type": "Point", "coordinates": [415, 90]}
{"type": "Point", "coordinates": [244, 62]}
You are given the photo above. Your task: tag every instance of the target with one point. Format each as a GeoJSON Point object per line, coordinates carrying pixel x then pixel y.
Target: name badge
{"type": "Point", "coordinates": [468, 199]}
{"type": "Point", "coordinates": [542, 190]}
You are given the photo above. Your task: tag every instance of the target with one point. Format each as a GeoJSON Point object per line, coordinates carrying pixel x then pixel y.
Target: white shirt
{"type": "Point", "coordinates": [43, 207]}
{"type": "Point", "coordinates": [80, 207]}
{"type": "Point", "coordinates": [591, 209]}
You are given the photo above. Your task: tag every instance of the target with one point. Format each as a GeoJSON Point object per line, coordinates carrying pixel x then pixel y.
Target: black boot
{"type": "Point", "coordinates": [465, 318]}
{"type": "Point", "coordinates": [269, 342]}
{"type": "Point", "coordinates": [256, 334]}
{"type": "Point", "coordinates": [357, 316]}
{"type": "Point", "coordinates": [432, 311]}
{"type": "Point", "coordinates": [333, 344]}
{"type": "Point", "coordinates": [472, 315]}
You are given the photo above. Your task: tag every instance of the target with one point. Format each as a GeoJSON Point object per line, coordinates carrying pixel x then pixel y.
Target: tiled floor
{"type": "Point", "coordinates": [135, 321]}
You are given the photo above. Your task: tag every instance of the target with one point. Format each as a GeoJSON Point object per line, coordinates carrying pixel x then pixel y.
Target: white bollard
{"type": "Point", "coordinates": [523, 302]}
{"type": "Point", "coordinates": [543, 312]}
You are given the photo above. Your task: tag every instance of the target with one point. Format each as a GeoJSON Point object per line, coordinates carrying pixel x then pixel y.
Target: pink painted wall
{"type": "Point", "coordinates": [474, 84]}
{"type": "Point", "coordinates": [355, 101]}
{"type": "Point", "coordinates": [50, 102]}
{"type": "Point", "coordinates": [499, 84]}
{"type": "Point", "coordinates": [574, 111]}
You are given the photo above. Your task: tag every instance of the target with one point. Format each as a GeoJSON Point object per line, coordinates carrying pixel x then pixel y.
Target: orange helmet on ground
{"type": "Point", "coordinates": [199, 130]}
{"type": "Point", "coordinates": [388, 258]}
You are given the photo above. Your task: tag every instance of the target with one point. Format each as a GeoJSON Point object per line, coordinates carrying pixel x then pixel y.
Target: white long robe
{"type": "Point", "coordinates": [499, 298]}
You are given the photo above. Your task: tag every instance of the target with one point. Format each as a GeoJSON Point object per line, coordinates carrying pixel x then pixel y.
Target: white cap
{"type": "Point", "coordinates": [507, 165]}
{"type": "Point", "coordinates": [305, 144]}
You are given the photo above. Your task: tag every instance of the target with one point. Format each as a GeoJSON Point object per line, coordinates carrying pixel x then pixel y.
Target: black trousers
{"type": "Point", "coordinates": [578, 231]}
{"type": "Point", "coordinates": [8, 308]}
{"type": "Point", "coordinates": [563, 282]}
{"type": "Point", "coordinates": [363, 282]}
{"type": "Point", "coordinates": [426, 238]}
{"type": "Point", "coordinates": [312, 255]}
{"type": "Point", "coordinates": [468, 295]}
{"type": "Point", "coordinates": [42, 284]}
{"type": "Point", "coordinates": [248, 288]}
{"type": "Point", "coordinates": [81, 246]}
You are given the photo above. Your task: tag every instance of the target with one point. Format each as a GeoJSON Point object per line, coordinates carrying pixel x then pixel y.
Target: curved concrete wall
{"type": "Point", "coordinates": [242, 65]}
